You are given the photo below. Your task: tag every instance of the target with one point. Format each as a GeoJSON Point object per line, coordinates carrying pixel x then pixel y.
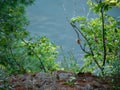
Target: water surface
{"type": "Point", "coordinates": [51, 19]}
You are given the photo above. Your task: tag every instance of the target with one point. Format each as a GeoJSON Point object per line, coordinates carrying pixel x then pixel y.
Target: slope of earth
{"type": "Point", "coordinates": [57, 80]}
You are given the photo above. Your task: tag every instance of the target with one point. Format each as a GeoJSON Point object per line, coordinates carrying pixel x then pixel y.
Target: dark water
{"type": "Point", "coordinates": [50, 18]}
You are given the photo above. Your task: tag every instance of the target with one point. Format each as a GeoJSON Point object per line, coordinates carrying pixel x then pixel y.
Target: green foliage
{"type": "Point", "coordinates": [71, 81]}
{"type": "Point", "coordinates": [18, 52]}
{"type": "Point", "coordinates": [101, 38]}
{"type": "Point", "coordinates": [40, 49]}
{"type": "Point", "coordinates": [105, 4]}
{"type": "Point", "coordinates": [13, 23]}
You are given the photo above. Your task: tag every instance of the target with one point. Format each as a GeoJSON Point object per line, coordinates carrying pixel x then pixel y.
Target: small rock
{"type": "Point", "coordinates": [41, 75]}
{"type": "Point", "coordinates": [88, 87]}
{"type": "Point", "coordinates": [95, 84]}
{"type": "Point", "coordinates": [62, 75]}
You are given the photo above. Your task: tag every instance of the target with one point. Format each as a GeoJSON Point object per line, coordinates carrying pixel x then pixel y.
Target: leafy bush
{"type": "Point", "coordinates": [18, 52]}
{"type": "Point", "coordinates": [13, 24]}
{"type": "Point", "coordinates": [101, 38]}
{"type": "Point", "coordinates": [34, 55]}
{"type": "Point", "coordinates": [40, 55]}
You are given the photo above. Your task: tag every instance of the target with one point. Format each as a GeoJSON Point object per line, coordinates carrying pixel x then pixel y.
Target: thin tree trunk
{"type": "Point", "coordinates": [103, 37]}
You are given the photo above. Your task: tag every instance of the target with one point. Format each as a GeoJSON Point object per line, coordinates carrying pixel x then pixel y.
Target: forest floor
{"type": "Point", "coordinates": [58, 80]}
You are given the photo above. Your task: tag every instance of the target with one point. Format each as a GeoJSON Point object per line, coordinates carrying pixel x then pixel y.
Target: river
{"type": "Point", "coordinates": [51, 19]}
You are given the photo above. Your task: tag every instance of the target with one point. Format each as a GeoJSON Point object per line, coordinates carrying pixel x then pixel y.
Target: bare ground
{"type": "Point", "coordinates": [58, 80]}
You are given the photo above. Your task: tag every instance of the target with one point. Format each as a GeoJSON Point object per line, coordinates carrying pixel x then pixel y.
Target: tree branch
{"type": "Point", "coordinates": [91, 51]}
{"type": "Point", "coordinates": [78, 36]}
{"type": "Point", "coordinates": [103, 36]}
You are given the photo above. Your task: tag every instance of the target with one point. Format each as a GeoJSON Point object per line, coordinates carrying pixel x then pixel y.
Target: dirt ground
{"type": "Point", "coordinates": [58, 80]}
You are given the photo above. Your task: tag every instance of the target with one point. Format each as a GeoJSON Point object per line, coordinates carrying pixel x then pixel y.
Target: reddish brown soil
{"type": "Point", "coordinates": [58, 80]}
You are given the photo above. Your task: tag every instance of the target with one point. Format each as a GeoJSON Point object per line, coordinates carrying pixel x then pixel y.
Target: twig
{"type": "Point", "coordinates": [78, 36]}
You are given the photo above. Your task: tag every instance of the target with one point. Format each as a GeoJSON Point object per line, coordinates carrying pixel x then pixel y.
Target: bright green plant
{"type": "Point", "coordinates": [71, 81]}
{"type": "Point", "coordinates": [18, 52]}
{"type": "Point", "coordinates": [40, 54]}
{"type": "Point", "coordinates": [101, 37]}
